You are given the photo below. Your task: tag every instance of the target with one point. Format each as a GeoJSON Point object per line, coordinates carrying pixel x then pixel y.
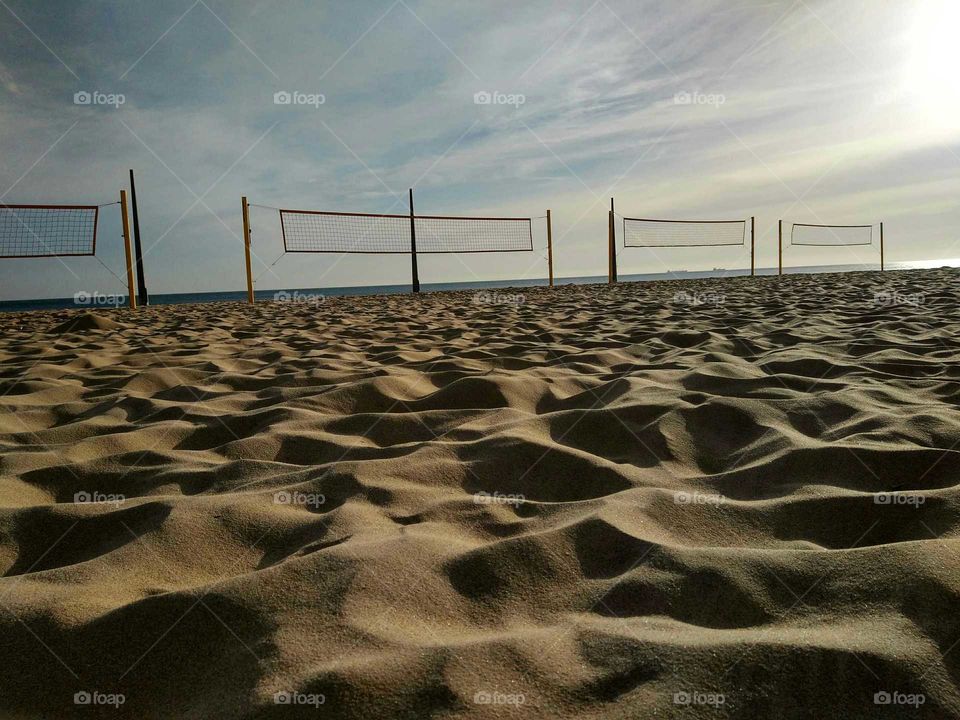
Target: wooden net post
{"type": "Point", "coordinates": [550, 247]}
{"type": "Point", "coordinates": [881, 247]}
{"type": "Point", "coordinates": [413, 248]}
{"type": "Point", "coordinates": [246, 247]}
{"type": "Point", "coordinates": [780, 249]}
{"type": "Point", "coordinates": [131, 288]}
{"type": "Point", "coordinates": [753, 245]}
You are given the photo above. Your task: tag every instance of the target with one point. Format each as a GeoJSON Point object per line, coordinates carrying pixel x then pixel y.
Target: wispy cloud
{"type": "Point", "coordinates": [705, 108]}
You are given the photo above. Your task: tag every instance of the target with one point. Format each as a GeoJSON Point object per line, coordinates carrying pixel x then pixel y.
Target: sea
{"type": "Point", "coordinates": [241, 295]}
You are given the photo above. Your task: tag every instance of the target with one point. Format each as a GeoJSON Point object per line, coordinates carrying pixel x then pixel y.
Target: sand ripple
{"type": "Point", "coordinates": [597, 504]}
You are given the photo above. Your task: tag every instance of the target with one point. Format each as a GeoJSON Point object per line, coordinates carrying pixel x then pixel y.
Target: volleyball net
{"type": "Point", "coordinates": [644, 232]}
{"type": "Point", "coordinates": [829, 236]}
{"type": "Point", "coordinates": [312, 231]}
{"type": "Point", "coordinates": [61, 231]}
{"type": "Point", "coordinates": [344, 233]}
{"type": "Point", "coordinates": [659, 233]}
{"type": "Point", "coordinates": [28, 231]}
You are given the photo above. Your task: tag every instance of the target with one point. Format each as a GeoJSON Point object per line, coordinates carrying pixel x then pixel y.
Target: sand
{"type": "Point", "coordinates": [599, 503]}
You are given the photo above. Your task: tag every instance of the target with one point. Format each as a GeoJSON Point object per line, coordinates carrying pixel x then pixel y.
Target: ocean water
{"type": "Point", "coordinates": [241, 295]}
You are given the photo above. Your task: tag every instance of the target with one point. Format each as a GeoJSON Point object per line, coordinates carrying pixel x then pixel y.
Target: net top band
{"type": "Point", "coordinates": [404, 217]}
{"type": "Point", "coordinates": [685, 222]}
{"type": "Point", "coordinates": [343, 214]}
{"type": "Point", "coordinates": [830, 226]}
{"type": "Point", "coordinates": [10, 206]}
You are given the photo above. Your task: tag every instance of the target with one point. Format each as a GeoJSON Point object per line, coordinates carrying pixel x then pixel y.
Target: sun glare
{"type": "Point", "coordinates": [934, 56]}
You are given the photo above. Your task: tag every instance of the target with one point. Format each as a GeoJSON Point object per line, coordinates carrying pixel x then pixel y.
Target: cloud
{"type": "Point", "coordinates": [783, 100]}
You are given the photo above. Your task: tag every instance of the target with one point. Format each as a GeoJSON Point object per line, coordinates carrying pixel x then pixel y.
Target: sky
{"type": "Point", "coordinates": [811, 111]}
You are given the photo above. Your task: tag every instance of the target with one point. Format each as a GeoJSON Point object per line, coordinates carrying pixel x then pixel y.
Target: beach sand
{"type": "Point", "coordinates": [600, 502]}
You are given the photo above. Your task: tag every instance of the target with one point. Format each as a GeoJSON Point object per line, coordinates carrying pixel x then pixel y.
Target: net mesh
{"type": "Point", "coordinates": [831, 235]}
{"type": "Point", "coordinates": [437, 234]}
{"type": "Point", "coordinates": [47, 230]}
{"type": "Point", "coordinates": [306, 231]}
{"type": "Point", "coordinates": [640, 232]}
{"type": "Point", "coordinates": [313, 231]}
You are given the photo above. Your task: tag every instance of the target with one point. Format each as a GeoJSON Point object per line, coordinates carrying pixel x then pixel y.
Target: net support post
{"type": "Point", "coordinates": [612, 243]}
{"type": "Point", "coordinates": [131, 289]}
{"type": "Point", "coordinates": [246, 247]}
{"type": "Point", "coordinates": [881, 247]}
{"type": "Point", "coordinates": [415, 275]}
{"type": "Point", "coordinates": [143, 297]}
{"type": "Point", "coordinates": [550, 247]}
{"type": "Point", "coordinates": [780, 248]}
{"type": "Point", "coordinates": [753, 245]}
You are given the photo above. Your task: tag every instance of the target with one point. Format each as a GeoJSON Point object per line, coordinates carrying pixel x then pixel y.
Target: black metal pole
{"type": "Point", "coordinates": [413, 247]}
{"type": "Point", "coordinates": [138, 249]}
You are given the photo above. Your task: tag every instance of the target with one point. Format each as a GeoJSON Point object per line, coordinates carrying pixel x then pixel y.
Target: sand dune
{"type": "Point", "coordinates": [602, 502]}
